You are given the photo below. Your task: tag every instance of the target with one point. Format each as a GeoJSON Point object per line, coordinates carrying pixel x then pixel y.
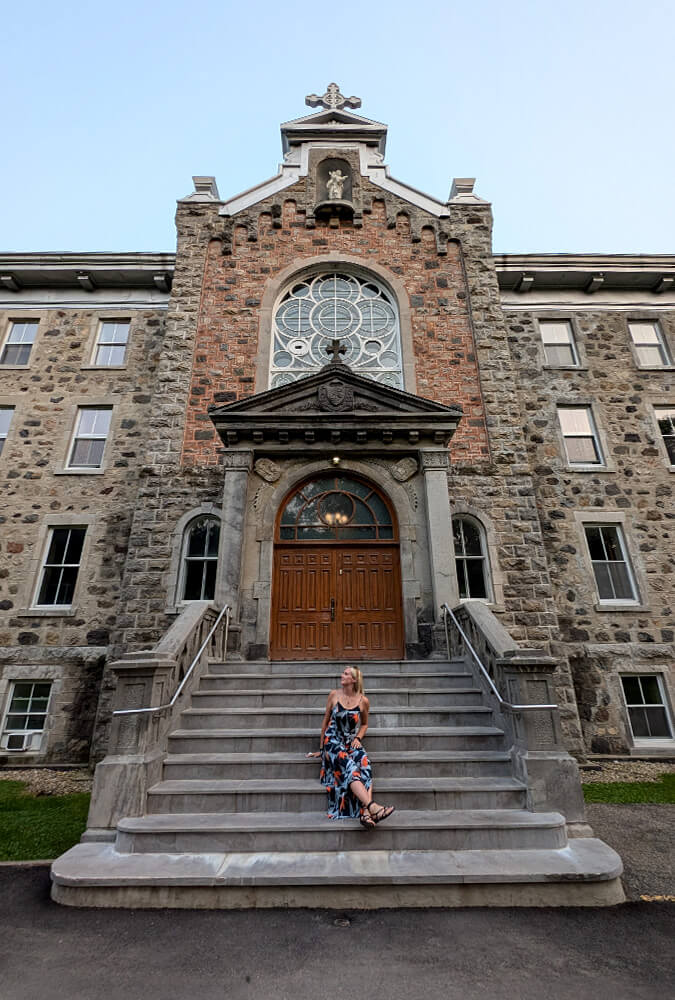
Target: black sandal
{"type": "Point", "coordinates": [366, 820]}
{"type": "Point", "coordinates": [384, 812]}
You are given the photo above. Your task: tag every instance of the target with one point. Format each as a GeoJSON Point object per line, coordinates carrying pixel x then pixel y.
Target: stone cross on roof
{"type": "Point", "coordinates": [335, 349]}
{"type": "Point", "coordinates": [332, 99]}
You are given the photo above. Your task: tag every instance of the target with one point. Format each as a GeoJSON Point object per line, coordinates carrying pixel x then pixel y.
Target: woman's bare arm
{"type": "Point", "coordinates": [330, 704]}
{"type": "Point", "coordinates": [363, 728]}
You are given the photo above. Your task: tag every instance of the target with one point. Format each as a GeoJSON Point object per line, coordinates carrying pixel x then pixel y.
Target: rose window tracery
{"type": "Point", "coordinates": [358, 311]}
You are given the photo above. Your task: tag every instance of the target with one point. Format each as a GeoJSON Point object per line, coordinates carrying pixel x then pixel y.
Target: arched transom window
{"type": "Point", "coordinates": [357, 310]}
{"type": "Point", "coordinates": [335, 508]}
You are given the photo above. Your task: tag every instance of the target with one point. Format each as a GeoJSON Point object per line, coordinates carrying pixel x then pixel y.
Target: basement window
{"type": "Point", "coordinates": [26, 716]}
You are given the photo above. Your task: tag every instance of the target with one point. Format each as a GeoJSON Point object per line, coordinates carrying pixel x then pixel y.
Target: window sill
{"type": "Point", "coordinates": [655, 368]}
{"type": "Point", "coordinates": [589, 468]}
{"type": "Point", "coordinates": [103, 368]}
{"type": "Point", "coordinates": [654, 746]}
{"type": "Point", "coordinates": [565, 368]}
{"type": "Point", "coordinates": [14, 368]}
{"type": "Point", "coordinates": [622, 606]}
{"type": "Point", "coordinates": [42, 612]}
{"type": "Point", "coordinates": [79, 472]}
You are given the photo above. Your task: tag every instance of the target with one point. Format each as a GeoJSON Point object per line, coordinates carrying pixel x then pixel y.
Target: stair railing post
{"type": "Point", "coordinates": [526, 678]}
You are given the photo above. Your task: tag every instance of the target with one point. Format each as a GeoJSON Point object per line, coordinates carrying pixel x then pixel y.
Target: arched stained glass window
{"type": "Point", "coordinates": [200, 560]}
{"type": "Point", "coordinates": [357, 310]}
{"type": "Point", "coordinates": [335, 508]}
{"type": "Point", "coordinates": [470, 559]}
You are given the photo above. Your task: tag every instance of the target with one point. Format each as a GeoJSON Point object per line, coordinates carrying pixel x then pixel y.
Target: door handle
{"type": "Point", "coordinates": [332, 609]}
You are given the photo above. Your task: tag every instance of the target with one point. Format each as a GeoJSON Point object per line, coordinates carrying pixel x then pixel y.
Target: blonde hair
{"type": "Point", "coordinates": [358, 679]}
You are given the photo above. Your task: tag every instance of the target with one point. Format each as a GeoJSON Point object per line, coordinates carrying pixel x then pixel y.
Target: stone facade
{"type": "Point", "coordinates": [470, 336]}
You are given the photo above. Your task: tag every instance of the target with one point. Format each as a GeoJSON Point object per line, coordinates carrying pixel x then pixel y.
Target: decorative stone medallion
{"type": "Point", "coordinates": [267, 470]}
{"type": "Point", "coordinates": [404, 469]}
{"type": "Point", "coordinates": [336, 397]}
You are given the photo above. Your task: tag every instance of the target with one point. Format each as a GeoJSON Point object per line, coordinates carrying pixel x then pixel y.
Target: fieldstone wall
{"type": "Point", "coordinates": [635, 489]}
{"type": "Point", "coordinates": [68, 647]}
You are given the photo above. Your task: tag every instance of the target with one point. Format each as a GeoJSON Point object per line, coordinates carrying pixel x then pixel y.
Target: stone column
{"type": "Point", "coordinates": [435, 466]}
{"type": "Point", "coordinates": [237, 467]}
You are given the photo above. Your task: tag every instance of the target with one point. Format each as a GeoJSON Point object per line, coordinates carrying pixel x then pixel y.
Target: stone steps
{"type": "Point", "coordinates": [584, 873]}
{"type": "Point", "coordinates": [331, 669]}
{"type": "Point", "coordinates": [438, 830]}
{"type": "Point", "coordinates": [304, 698]}
{"type": "Point", "coordinates": [238, 819]}
{"type": "Point", "coordinates": [302, 741]}
{"type": "Point", "coordinates": [292, 717]}
{"type": "Point", "coordinates": [403, 764]}
{"type": "Point", "coordinates": [322, 683]}
{"type": "Point", "coordinates": [306, 794]}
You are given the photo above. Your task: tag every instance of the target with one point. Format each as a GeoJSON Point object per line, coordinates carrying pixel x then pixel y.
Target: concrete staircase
{"type": "Point", "coordinates": [238, 819]}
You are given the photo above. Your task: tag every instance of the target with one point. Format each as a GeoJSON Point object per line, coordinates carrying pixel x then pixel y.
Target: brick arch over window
{"type": "Point", "coordinates": [350, 264]}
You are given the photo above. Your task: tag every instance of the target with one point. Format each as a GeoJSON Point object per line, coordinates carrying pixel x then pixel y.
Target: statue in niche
{"type": "Point", "coordinates": [335, 184]}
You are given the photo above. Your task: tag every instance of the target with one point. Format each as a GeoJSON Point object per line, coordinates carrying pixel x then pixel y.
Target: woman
{"type": "Point", "coordinates": [345, 769]}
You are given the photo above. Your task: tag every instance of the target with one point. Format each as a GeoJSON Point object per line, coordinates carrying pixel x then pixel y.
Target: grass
{"type": "Point", "coordinates": [632, 791]}
{"type": "Point", "coordinates": [39, 827]}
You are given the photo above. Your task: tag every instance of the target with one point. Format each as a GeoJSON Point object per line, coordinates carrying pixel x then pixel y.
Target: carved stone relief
{"type": "Point", "coordinates": [267, 470]}
{"type": "Point", "coordinates": [404, 469]}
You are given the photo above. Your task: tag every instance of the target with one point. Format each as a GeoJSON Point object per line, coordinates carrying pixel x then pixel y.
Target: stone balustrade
{"type": "Point", "coordinates": [522, 678]}
{"type": "Point", "coordinates": [149, 679]}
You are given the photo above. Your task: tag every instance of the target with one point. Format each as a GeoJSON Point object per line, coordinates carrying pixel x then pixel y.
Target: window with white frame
{"type": "Point", "coordinates": [647, 709]}
{"type": "Point", "coordinates": [579, 435]}
{"type": "Point", "coordinates": [6, 414]}
{"type": "Point", "coordinates": [665, 417]}
{"type": "Point", "coordinates": [611, 566]}
{"type": "Point", "coordinates": [200, 560]}
{"type": "Point", "coordinates": [557, 337]}
{"type": "Point", "coordinates": [58, 576]}
{"type": "Point", "coordinates": [19, 343]}
{"type": "Point", "coordinates": [91, 432]}
{"type": "Point", "coordinates": [650, 345]}
{"type": "Point", "coordinates": [470, 559]}
{"type": "Point", "coordinates": [111, 344]}
{"type": "Point", "coordinates": [26, 715]}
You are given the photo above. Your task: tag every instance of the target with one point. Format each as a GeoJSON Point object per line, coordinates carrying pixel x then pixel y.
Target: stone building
{"type": "Point", "coordinates": [333, 357]}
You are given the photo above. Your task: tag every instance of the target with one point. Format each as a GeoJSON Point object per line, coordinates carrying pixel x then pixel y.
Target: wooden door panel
{"type": "Point", "coordinates": [369, 607]}
{"type": "Point", "coordinates": [366, 589]}
{"type": "Point", "coordinates": [303, 584]}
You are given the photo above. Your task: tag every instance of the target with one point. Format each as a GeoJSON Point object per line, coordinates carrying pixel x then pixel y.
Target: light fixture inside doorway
{"type": "Point", "coordinates": [335, 459]}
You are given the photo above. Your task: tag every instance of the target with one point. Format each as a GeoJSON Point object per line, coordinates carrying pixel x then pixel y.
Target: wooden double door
{"type": "Point", "coordinates": [338, 602]}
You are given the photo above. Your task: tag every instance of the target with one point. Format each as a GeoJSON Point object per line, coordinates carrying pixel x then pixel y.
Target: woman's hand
{"type": "Point", "coordinates": [356, 742]}
{"type": "Point", "coordinates": [315, 753]}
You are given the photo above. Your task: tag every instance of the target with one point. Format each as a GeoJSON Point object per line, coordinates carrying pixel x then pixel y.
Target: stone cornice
{"type": "Point", "coordinates": [335, 407]}
{"type": "Point", "coordinates": [87, 271]}
{"type": "Point", "coordinates": [588, 273]}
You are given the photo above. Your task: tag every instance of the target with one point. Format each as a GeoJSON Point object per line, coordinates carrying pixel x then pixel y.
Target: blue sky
{"type": "Point", "coordinates": [563, 112]}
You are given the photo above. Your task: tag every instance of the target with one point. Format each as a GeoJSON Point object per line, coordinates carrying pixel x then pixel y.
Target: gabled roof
{"type": "Point", "coordinates": [334, 124]}
{"type": "Point", "coordinates": [333, 407]}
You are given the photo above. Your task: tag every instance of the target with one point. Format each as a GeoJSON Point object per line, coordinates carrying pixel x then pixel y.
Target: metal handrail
{"type": "Point", "coordinates": [227, 610]}
{"type": "Point", "coordinates": [505, 704]}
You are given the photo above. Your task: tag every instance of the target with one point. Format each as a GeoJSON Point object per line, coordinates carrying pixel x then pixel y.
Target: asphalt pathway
{"type": "Point", "coordinates": [58, 953]}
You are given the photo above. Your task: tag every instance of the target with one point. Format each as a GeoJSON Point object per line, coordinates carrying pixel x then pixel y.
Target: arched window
{"type": "Point", "coordinates": [200, 560]}
{"type": "Point", "coordinates": [473, 575]}
{"type": "Point", "coordinates": [356, 309]}
{"type": "Point", "coordinates": [335, 508]}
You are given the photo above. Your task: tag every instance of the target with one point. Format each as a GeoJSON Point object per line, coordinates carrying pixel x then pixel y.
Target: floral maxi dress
{"type": "Point", "coordinates": [342, 763]}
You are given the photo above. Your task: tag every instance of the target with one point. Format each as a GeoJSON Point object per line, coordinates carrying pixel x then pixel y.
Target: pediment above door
{"type": "Point", "coordinates": [335, 407]}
